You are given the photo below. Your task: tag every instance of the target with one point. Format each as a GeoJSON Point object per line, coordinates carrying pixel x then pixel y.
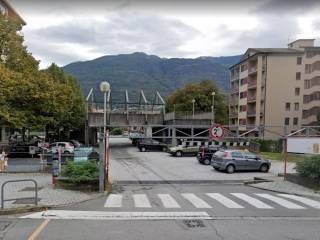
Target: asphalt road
{"type": "Point", "coordinates": [186, 211]}
{"type": "Point", "coordinates": [219, 210]}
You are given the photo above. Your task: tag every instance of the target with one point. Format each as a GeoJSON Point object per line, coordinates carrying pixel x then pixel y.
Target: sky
{"type": "Point", "coordinates": [63, 31]}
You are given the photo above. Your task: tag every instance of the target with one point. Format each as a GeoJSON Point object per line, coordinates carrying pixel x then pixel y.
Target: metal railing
{"type": "Point", "coordinates": [13, 199]}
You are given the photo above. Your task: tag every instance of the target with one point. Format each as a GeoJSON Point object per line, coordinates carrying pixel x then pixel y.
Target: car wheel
{"type": "Point", "coordinates": [207, 161]}
{"type": "Point", "coordinates": [179, 154]}
{"type": "Point", "coordinates": [264, 168]}
{"type": "Point", "coordinates": [143, 149]}
{"type": "Point", "coordinates": [230, 169]}
{"type": "Point", "coordinates": [66, 152]}
{"type": "Point", "coordinates": [164, 149]}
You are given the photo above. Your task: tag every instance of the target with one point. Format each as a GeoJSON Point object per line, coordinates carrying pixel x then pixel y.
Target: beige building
{"type": "Point", "coordinates": [7, 10]}
{"type": "Point", "coordinates": [278, 88]}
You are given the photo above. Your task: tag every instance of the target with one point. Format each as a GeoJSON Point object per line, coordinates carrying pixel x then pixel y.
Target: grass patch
{"type": "Point", "coordinates": [292, 157]}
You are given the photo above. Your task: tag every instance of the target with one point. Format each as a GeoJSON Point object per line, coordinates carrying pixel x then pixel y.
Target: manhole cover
{"type": "Point", "coordinates": [4, 225]}
{"type": "Point", "coordinates": [25, 201]}
{"type": "Point", "coordinates": [194, 223]}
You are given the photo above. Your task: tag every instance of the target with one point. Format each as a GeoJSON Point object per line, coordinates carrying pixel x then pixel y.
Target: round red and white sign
{"type": "Point", "coordinates": [217, 131]}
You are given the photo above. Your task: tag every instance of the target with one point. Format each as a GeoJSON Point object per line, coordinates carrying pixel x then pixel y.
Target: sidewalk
{"type": "Point", "coordinates": [279, 185]}
{"type": "Point", "coordinates": [48, 196]}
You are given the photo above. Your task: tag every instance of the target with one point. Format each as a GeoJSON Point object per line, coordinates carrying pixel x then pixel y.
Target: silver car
{"type": "Point", "coordinates": [232, 160]}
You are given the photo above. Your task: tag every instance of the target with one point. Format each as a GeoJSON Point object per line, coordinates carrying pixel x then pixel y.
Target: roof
{"type": "Point", "coordinates": [276, 50]}
{"type": "Point", "coordinates": [14, 11]}
{"type": "Point", "coordinates": [303, 39]}
{"type": "Point", "coordinates": [266, 50]}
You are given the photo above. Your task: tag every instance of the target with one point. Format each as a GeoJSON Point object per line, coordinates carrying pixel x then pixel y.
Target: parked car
{"type": "Point", "coordinates": [150, 144]}
{"type": "Point", "coordinates": [66, 147]}
{"type": "Point", "coordinates": [205, 153]}
{"type": "Point", "coordinates": [189, 148]}
{"type": "Point", "coordinates": [232, 160]}
{"type": "Point", "coordinates": [76, 143]}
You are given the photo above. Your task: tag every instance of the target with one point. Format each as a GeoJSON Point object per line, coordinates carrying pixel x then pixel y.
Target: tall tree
{"type": "Point", "coordinates": [181, 100]}
{"type": "Point", "coordinates": [30, 98]}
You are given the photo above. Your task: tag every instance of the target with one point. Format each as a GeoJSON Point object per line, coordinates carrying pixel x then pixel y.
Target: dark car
{"type": "Point", "coordinates": [153, 145]}
{"type": "Point", "coordinates": [205, 154]}
{"type": "Point", "coordinates": [233, 160]}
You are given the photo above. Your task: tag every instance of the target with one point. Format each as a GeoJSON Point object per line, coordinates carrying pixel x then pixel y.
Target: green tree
{"type": "Point", "coordinates": [30, 98]}
{"type": "Point", "coordinates": [181, 100]}
{"type": "Point", "coordinates": [69, 103]}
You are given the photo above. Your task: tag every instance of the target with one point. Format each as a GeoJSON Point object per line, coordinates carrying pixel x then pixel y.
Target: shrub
{"type": "Point", "coordinates": [78, 172]}
{"type": "Point", "coordinates": [309, 168]}
{"type": "Point", "coordinates": [117, 131]}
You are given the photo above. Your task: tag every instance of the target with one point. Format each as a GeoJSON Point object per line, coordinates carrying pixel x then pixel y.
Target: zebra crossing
{"type": "Point", "coordinates": [211, 200]}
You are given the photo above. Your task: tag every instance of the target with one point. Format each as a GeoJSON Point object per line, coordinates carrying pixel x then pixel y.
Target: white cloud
{"type": "Point", "coordinates": [67, 31]}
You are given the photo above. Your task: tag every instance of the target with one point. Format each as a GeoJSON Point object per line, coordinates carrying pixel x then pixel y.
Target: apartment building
{"type": "Point", "coordinates": [7, 10]}
{"type": "Point", "coordinates": [278, 88]}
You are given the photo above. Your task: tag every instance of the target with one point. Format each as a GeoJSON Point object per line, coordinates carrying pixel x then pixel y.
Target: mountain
{"type": "Point", "coordinates": [137, 71]}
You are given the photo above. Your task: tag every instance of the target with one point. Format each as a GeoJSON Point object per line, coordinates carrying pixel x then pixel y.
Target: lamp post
{"type": "Point", "coordinates": [104, 141]}
{"type": "Point", "coordinates": [105, 88]}
{"type": "Point", "coordinates": [212, 107]}
{"type": "Point", "coordinates": [193, 101]}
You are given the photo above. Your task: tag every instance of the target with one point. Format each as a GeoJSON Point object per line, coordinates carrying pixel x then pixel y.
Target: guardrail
{"type": "Point", "coordinates": [13, 199]}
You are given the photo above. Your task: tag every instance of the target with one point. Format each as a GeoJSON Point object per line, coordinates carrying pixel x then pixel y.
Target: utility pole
{"type": "Point", "coordinates": [212, 107]}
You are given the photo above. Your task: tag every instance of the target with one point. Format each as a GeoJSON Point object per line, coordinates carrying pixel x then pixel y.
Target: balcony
{"type": "Point", "coordinates": [233, 115]}
{"type": "Point", "coordinates": [234, 90]}
{"type": "Point", "coordinates": [233, 102]}
{"type": "Point", "coordinates": [251, 113]}
{"type": "Point", "coordinates": [252, 70]}
{"type": "Point", "coordinates": [252, 84]}
{"type": "Point", "coordinates": [235, 77]}
{"type": "Point", "coordinates": [252, 98]}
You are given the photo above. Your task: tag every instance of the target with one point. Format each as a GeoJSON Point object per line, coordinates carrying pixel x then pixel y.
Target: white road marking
{"type": "Point", "coordinates": [280, 201]}
{"type": "Point", "coordinates": [306, 201]}
{"type": "Point", "coordinates": [114, 201]}
{"type": "Point", "coordinates": [168, 201]}
{"type": "Point", "coordinates": [141, 201]}
{"type": "Point", "coordinates": [252, 201]}
{"type": "Point", "coordinates": [195, 201]}
{"type": "Point", "coordinates": [224, 200]}
{"type": "Point", "coordinates": [104, 215]}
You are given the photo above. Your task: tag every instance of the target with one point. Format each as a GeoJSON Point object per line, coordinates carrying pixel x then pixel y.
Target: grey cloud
{"type": "Point", "coordinates": [286, 7]}
{"type": "Point", "coordinates": [271, 32]}
{"type": "Point", "coordinates": [121, 33]}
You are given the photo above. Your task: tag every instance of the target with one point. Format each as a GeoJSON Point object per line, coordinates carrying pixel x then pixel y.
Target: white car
{"type": "Point", "coordinates": [66, 147]}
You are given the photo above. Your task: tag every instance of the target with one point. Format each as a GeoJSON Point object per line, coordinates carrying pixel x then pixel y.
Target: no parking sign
{"type": "Point", "coordinates": [216, 132]}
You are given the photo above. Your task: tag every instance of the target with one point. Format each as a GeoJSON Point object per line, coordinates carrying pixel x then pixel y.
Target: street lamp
{"type": "Point", "coordinates": [193, 101]}
{"type": "Point", "coordinates": [105, 88]}
{"type": "Point", "coordinates": [104, 145]}
{"type": "Point", "coordinates": [212, 106]}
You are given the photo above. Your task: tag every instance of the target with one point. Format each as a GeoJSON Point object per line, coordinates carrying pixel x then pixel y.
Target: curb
{"type": "Point", "coordinates": [178, 182]}
{"type": "Point", "coordinates": [20, 210]}
{"type": "Point", "coordinates": [277, 191]}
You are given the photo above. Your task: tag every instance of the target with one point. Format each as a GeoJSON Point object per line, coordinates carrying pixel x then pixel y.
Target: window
{"type": "Point", "coordinates": [286, 121]}
{"type": "Point", "coordinates": [236, 155]}
{"type": "Point", "coordinates": [243, 94]}
{"type": "Point", "coordinates": [243, 108]}
{"type": "Point", "coordinates": [299, 60]}
{"type": "Point", "coordinates": [298, 75]}
{"type": "Point", "coordinates": [287, 106]}
{"type": "Point", "coordinates": [295, 121]}
{"type": "Point", "coordinates": [297, 91]}
{"type": "Point", "coordinates": [244, 81]}
{"type": "Point", "coordinates": [296, 106]}
{"type": "Point", "coordinates": [242, 68]}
